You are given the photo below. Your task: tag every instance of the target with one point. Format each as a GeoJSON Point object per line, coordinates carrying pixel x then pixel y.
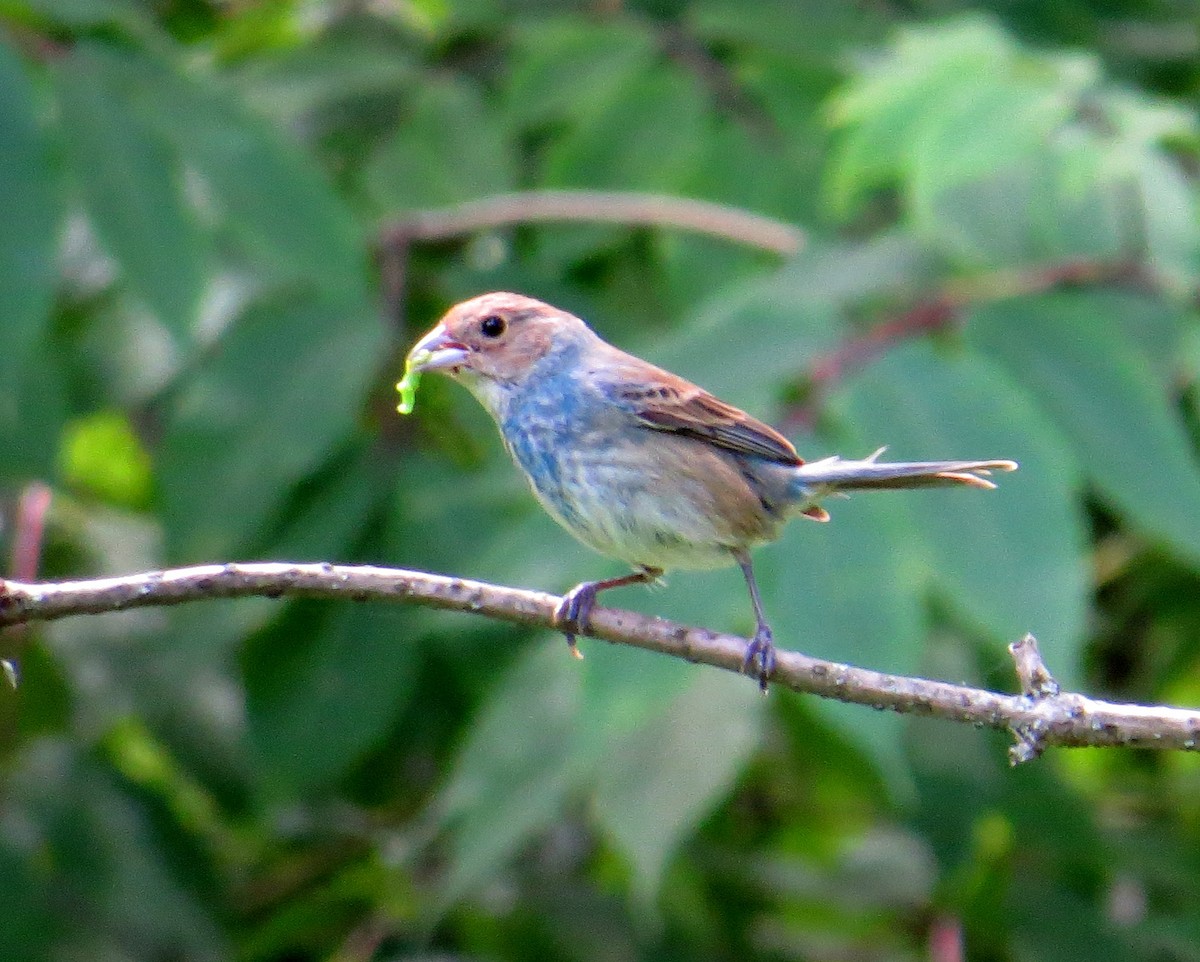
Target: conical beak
{"type": "Point", "coordinates": [437, 350]}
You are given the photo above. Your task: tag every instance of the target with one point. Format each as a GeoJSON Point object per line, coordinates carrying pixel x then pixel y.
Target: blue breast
{"type": "Point", "coordinates": [544, 429]}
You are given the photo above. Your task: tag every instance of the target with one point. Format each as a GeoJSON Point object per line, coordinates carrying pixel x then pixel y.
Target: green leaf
{"type": "Point", "coordinates": [754, 328]}
{"type": "Point", "coordinates": [951, 104]}
{"type": "Point", "coordinates": [1046, 912]}
{"type": "Point", "coordinates": [1033, 213]}
{"type": "Point", "coordinates": [354, 59]}
{"type": "Point", "coordinates": [983, 128]}
{"type": "Point", "coordinates": [278, 396]}
{"type": "Point", "coordinates": [567, 69]}
{"type": "Point", "coordinates": [1169, 218]}
{"type": "Point", "coordinates": [660, 781]}
{"type": "Point", "coordinates": [1011, 560]}
{"type": "Point", "coordinates": [852, 591]}
{"type": "Point", "coordinates": [450, 148]}
{"type": "Point", "coordinates": [143, 880]}
{"type": "Point", "coordinates": [260, 186]}
{"type": "Point", "coordinates": [317, 700]}
{"type": "Point", "coordinates": [30, 928]}
{"type": "Point", "coordinates": [1101, 389]}
{"type": "Point", "coordinates": [646, 137]}
{"type": "Point", "coordinates": [132, 184]}
{"type": "Point", "coordinates": [101, 454]}
{"type": "Point", "coordinates": [33, 411]}
{"type": "Point", "coordinates": [1075, 192]}
{"type": "Point", "coordinates": [747, 343]}
{"type": "Point", "coordinates": [792, 163]}
{"type": "Point", "coordinates": [512, 538]}
{"type": "Point", "coordinates": [80, 13]}
{"type": "Point", "coordinates": [28, 236]}
{"type": "Point", "coordinates": [883, 107]}
{"type": "Point", "coordinates": [328, 516]}
{"type": "Point", "coordinates": [273, 196]}
{"type": "Point", "coordinates": [981, 131]}
{"type": "Point", "coordinates": [806, 31]}
{"type": "Point", "coordinates": [83, 16]}
{"type": "Point", "coordinates": [549, 728]}
{"type": "Point", "coordinates": [514, 771]}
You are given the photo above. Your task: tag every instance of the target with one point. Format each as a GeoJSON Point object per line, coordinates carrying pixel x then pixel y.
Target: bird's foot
{"type": "Point", "coordinates": [760, 657]}
{"type": "Point", "coordinates": [574, 611]}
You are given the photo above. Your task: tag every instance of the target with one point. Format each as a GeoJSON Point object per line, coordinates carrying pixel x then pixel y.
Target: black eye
{"type": "Point", "coordinates": [492, 326]}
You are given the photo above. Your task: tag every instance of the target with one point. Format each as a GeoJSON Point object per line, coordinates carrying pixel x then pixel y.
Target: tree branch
{"type": "Point", "coordinates": [609, 207]}
{"type": "Point", "coordinates": [29, 529]}
{"type": "Point", "coordinates": [946, 307]}
{"type": "Point", "coordinates": [1039, 718]}
{"type": "Point", "coordinates": [629, 208]}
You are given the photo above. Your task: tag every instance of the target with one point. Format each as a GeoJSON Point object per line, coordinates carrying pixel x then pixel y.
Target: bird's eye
{"type": "Point", "coordinates": [492, 326]}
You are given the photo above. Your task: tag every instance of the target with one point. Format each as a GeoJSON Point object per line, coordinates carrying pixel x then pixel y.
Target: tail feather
{"type": "Point", "coordinates": [818, 479]}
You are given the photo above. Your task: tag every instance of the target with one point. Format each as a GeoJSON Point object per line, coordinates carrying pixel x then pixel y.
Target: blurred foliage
{"type": "Point", "coordinates": [196, 360]}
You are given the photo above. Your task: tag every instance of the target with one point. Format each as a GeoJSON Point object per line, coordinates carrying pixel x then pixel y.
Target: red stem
{"type": "Point", "coordinates": [945, 309]}
{"type": "Point", "coordinates": [28, 531]}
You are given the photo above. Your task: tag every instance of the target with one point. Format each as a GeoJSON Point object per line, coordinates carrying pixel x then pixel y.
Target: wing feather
{"type": "Point", "coordinates": [665, 402]}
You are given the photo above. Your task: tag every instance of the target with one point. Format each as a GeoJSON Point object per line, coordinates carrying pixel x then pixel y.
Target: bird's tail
{"type": "Point", "coordinates": [819, 479]}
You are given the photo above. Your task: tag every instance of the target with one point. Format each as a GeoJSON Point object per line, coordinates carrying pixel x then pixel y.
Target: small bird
{"type": "Point", "coordinates": [638, 463]}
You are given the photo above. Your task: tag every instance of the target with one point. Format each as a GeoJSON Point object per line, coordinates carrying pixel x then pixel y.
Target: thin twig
{"type": "Point", "coordinates": [29, 529]}
{"type": "Point", "coordinates": [1036, 683]}
{"type": "Point", "coordinates": [946, 308]}
{"type": "Point", "coordinates": [946, 939]}
{"type": "Point", "coordinates": [1035, 678]}
{"type": "Point", "coordinates": [609, 207]}
{"type": "Point", "coordinates": [727, 94]}
{"type": "Point", "coordinates": [1064, 719]}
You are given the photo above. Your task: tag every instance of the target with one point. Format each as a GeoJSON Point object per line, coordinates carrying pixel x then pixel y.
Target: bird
{"type": "Point", "coordinates": [640, 464]}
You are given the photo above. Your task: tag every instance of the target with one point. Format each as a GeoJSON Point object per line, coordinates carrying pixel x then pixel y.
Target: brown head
{"type": "Point", "coordinates": [495, 338]}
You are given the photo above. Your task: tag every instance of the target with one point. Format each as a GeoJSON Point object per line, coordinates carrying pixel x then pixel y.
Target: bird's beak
{"type": "Point", "coordinates": [437, 350]}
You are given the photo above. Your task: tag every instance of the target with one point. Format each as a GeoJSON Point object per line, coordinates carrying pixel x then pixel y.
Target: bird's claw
{"type": "Point", "coordinates": [573, 613]}
{"type": "Point", "coordinates": [760, 657]}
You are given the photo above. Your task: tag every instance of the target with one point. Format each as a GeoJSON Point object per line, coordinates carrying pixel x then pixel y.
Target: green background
{"type": "Point", "coordinates": [198, 358]}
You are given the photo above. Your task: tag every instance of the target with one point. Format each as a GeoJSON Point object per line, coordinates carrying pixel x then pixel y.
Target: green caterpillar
{"type": "Point", "coordinates": [407, 385]}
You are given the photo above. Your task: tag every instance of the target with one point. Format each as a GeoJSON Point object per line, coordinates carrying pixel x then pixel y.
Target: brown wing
{"type": "Point", "coordinates": [665, 402]}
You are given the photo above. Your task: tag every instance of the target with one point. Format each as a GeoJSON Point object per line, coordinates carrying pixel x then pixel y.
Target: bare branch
{"type": "Point", "coordinates": [1035, 678]}
{"type": "Point", "coordinates": [947, 307]}
{"type": "Point", "coordinates": [609, 207]}
{"type": "Point", "coordinates": [1037, 721]}
{"type": "Point", "coordinates": [29, 527]}
{"type": "Point", "coordinates": [1037, 683]}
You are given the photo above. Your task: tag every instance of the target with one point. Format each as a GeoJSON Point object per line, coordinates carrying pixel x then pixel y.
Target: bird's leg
{"type": "Point", "coordinates": [577, 604]}
{"type": "Point", "coordinates": [760, 652]}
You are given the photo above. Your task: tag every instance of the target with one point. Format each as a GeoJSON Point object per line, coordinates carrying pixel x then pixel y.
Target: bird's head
{"type": "Point", "coordinates": [495, 340]}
